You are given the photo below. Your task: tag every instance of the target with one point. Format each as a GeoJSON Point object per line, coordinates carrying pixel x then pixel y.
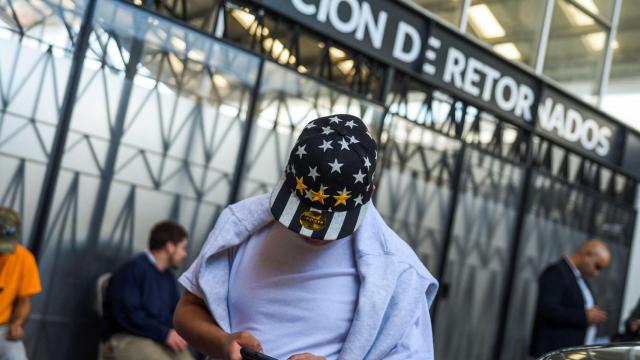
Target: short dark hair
{"type": "Point", "coordinates": [164, 232]}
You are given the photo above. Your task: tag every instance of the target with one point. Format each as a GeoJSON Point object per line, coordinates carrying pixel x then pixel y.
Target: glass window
{"type": "Point", "coordinates": [286, 43]}
{"type": "Point", "coordinates": [36, 40]}
{"type": "Point", "coordinates": [155, 134]}
{"type": "Point", "coordinates": [560, 216]}
{"type": "Point", "coordinates": [287, 102]}
{"type": "Point", "coordinates": [478, 257]}
{"type": "Point", "coordinates": [575, 52]}
{"type": "Point", "coordinates": [623, 92]}
{"type": "Point", "coordinates": [510, 27]}
{"type": "Point", "coordinates": [448, 10]}
{"type": "Point", "coordinates": [414, 192]}
{"type": "Point", "coordinates": [602, 8]}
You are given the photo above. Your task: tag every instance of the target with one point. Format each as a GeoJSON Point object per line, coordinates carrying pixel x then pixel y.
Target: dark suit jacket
{"type": "Point", "coordinates": [560, 320]}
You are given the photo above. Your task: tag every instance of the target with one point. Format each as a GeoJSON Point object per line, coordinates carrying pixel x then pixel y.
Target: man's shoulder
{"type": "Point", "coordinates": [558, 265]}
{"type": "Point", "coordinates": [556, 270]}
{"type": "Point", "coordinates": [137, 264]}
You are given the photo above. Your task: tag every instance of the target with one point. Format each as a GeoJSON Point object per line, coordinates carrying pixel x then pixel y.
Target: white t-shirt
{"type": "Point", "coordinates": [294, 297]}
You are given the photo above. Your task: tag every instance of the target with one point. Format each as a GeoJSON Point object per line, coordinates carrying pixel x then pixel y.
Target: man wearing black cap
{"type": "Point", "coordinates": [310, 271]}
{"type": "Point", "coordinates": [19, 281]}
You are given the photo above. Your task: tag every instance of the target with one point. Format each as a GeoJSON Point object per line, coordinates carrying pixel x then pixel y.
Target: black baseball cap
{"type": "Point", "coordinates": [328, 181]}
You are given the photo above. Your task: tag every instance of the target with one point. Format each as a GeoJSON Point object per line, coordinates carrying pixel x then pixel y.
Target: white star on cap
{"type": "Point", "coordinates": [335, 166]}
{"type": "Point", "coordinates": [307, 194]}
{"type": "Point", "coordinates": [367, 164]}
{"type": "Point", "coordinates": [353, 139]}
{"type": "Point", "coordinates": [350, 124]}
{"type": "Point", "coordinates": [301, 151]}
{"type": "Point", "coordinates": [335, 119]}
{"type": "Point", "coordinates": [326, 130]}
{"type": "Point", "coordinates": [358, 200]}
{"type": "Point", "coordinates": [310, 125]}
{"type": "Point", "coordinates": [326, 145]}
{"type": "Point", "coordinates": [344, 143]}
{"type": "Point", "coordinates": [359, 177]}
{"type": "Point", "coordinates": [323, 188]}
{"type": "Point", "coordinates": [313, 172]}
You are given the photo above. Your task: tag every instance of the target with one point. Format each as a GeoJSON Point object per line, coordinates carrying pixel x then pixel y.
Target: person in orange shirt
{"type": "Point", "coordinates": [19, 281]}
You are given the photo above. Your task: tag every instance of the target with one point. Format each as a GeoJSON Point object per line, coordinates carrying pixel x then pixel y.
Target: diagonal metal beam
{"type": "Point", "coordinates": [97, 216]}
{"type": "Point", "coordinates": [45, 200]}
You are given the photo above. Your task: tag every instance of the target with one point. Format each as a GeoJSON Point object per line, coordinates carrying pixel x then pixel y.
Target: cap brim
{"type": "Point", "coordinates": [7, 246]}
{"type": "Point", "coordinates": [287, 208]}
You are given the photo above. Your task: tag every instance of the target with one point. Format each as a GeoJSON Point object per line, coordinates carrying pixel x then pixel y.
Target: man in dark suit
{"type": "Point", "coordinates": [566, 312]}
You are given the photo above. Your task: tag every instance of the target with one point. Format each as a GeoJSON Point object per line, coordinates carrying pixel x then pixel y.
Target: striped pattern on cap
{"type": "Point", "coordinates": [287, 208]}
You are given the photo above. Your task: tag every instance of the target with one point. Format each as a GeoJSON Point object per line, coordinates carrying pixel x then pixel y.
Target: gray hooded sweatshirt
{"type": "Point", "coordinates": [391, 320]}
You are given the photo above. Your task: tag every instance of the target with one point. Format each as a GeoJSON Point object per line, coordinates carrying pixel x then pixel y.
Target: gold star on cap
{"type": "Point", "coordinates": [300, 184]}
{"type": "Point", "coordinates": [319, 196]}
{"type": "Point", "coordinates": [342, 197]}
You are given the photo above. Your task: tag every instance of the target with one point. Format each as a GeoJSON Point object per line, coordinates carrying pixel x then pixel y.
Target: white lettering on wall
{"type": "Point", "coordinates": [350, 25]}
{"type": "Point", "coordinates": [526, 98]}
{"type": "Point", "coordinates": [375, 28]}
{"type": "Point", "coordinates": [466, 73]}
{"type": "Point", "coordinates": [491, 76]}
{"type": "Point", "coordinates": [415, 43]}
{"type": "Point", "coordinates": [361, 18]}
{"type": "Point", "coordinates": [471, 75]}
{"type": "Point", "coordinates": [570, 125]}
{"type": "Point", "coordinates": [506, 93]}
{"type": "Point", "coordinates": [303, 7]}
{"type": "Point", "coordinates": [454, 67]}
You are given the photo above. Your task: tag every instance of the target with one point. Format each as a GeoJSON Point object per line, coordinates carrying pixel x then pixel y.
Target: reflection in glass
{"type": "Point", "coordinates": [575, 52]}
{"type": "Point", "coordinates": [581, 12]}
{"type": "Point", "coordinates": [413, 194]}
{"type": "Point", "coordinates": [36, 41]}
{"type": "Point", "coordinates": [510, 27]}
{"type": "Point", "coordinates": [478, 257]}
{"type": "Point", "coordinates": [448, 10]}
{"type": "Point", "coordinates": [155, 134]}
{"type": "Point", "coordinates": [287, 101]}
{"type": "Point", "coordinates": [566, 207]}
{"type": "Point", "coordinates": [288, 44]}
{"type": "Point", "coordinates": [623, 91]}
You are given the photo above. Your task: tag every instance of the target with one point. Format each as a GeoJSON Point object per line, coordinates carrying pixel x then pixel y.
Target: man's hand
{"type": "Point", "coordinates": [239, 340]}
{"type": "Point", "coordinates": [175, 342]}
{"type": "Point", "coordinates": [306, 356]}
{"type": "Point", "coordinates": [595, 315]}
{"type": "Point", "coordinates": [15, 333]}
{"type": "Point", "coordinates": [634, 326]}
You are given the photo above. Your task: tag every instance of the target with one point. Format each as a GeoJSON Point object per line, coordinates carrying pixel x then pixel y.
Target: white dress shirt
{"type": "Point", "coordinates": [588, 301]}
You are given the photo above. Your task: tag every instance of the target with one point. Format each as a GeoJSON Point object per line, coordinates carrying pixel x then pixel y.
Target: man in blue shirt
{"type": "Point", "coordinates": [141, 298]}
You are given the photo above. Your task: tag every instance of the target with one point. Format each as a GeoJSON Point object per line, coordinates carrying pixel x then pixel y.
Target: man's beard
{"type": "Point", "coordinates": [173, 265]}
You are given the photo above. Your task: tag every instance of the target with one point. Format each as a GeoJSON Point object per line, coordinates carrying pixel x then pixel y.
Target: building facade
{"type": "Point", "coordinates": [115, 115]}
